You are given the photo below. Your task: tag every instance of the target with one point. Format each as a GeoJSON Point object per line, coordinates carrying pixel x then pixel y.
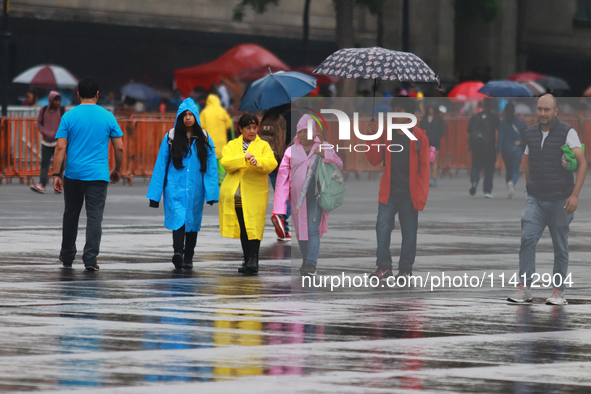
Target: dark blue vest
{"type": "Point", "coordinates": [548, 180]}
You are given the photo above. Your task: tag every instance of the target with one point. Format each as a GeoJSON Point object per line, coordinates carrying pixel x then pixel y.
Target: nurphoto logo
{"type": "Point", "coordinates": [392, 123]}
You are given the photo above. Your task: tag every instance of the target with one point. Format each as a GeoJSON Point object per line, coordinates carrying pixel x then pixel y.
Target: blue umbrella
{"type": "Point", "coordinates": [505, 89]}
{"type": "Point", "coordinates": [276, 89]}
{"type": "Point", "coordinates": [138, 91]}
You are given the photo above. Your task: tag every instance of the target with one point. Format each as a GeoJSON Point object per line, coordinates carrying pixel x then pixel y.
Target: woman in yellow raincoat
{"type": "Point", "coordinates": [244, 194]}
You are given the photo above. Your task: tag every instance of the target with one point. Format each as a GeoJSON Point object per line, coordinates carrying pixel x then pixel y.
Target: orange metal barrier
{"type": "Point", "coordinates": [20, 146]}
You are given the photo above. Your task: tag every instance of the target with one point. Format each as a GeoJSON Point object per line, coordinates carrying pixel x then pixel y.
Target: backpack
{"type": "Point", "coordinates": [44, 108]}
{"type": "Point", "coordinates": [330, 186]}
{"type": "Point", "coordinates": [272, 131]}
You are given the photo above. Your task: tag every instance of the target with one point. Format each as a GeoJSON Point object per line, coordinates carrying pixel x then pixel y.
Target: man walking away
{"type": "Point", "coordinates": [552, 197]}
{"type": "Point", "coordinates": [48, 122]}
{"type": "Point", "coordinates": [481, 133]}
{"type": "Point", "coordinates": [84, 134]}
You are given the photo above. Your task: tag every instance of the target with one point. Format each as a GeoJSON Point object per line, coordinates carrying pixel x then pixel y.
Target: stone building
{"type": "Point", "coordinates": [115, 40]}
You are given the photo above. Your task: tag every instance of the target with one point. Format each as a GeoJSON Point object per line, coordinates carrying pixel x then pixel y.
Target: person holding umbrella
{"type": "Point", "coordinates": [244, 194]}
{"type": "Point", "coordinates": [310, 220]}
{"type": "Point", "coordinates": [404, 189]}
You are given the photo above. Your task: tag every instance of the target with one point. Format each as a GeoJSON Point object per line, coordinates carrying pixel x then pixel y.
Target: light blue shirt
{"type": "Point", "coordinates": [88, 129]}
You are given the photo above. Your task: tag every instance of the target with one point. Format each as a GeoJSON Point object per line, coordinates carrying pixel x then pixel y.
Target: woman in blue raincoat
{"type": "Point", "coordinates": [186, 174]}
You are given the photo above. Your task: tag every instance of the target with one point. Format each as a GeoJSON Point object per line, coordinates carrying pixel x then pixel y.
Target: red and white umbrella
{"type": "Point", "coordinates": [47, 76]}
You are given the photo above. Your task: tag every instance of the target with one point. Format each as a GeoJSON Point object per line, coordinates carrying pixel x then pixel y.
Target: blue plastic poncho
{"type": "Point", "coordinates": [187, 188]}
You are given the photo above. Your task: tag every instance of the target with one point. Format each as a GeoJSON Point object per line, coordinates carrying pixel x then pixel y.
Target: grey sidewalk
{"type": "Point", "coordinates": [137, 326]}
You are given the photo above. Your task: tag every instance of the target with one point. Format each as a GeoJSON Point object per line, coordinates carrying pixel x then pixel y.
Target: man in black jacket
{"type": "Point", "coordinates": [552, 198]}
{"type": "Point", "coordinates": [482, 139]}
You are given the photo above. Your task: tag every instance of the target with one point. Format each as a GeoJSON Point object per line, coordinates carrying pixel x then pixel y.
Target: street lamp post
{"type": "Point", "coordinates": [5, 57]}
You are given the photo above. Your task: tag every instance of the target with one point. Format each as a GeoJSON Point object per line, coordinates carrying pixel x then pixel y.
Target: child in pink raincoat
{"type": "Point", "coordinates": [311, 221]}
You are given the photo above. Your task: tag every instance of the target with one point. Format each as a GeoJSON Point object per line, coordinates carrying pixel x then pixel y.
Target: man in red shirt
{"type": "Point", "coordinates": [403, 190]}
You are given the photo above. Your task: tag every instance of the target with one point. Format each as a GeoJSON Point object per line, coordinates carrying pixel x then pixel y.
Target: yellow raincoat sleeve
{"type": "Point", "coordinates": [266, 161]}
{"type": "Point", "coordinates": [231, 161]}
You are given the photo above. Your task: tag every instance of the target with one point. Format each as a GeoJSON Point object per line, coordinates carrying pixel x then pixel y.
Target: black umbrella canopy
{"type": "Point", "coordinates": [553, 83]}
{"type": "Point", "coordinates": [377, 63]}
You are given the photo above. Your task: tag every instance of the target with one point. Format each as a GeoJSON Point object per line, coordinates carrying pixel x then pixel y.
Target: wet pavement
{"type": "Point", "coordinates": [138, 326]}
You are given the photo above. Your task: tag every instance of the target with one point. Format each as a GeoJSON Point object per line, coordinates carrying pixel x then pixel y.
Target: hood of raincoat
{"type": "Point", "coordinates": [53, 94]}
{"type": "Point", "coordinates": [303, 124]}
{"type": "Point", "coordinates": [213, 101]}
{"type": "Point", "coordinates": [189, 105]}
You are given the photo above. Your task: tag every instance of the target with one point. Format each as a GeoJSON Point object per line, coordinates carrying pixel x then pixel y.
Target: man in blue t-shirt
{"type": "Point", "coordinates": [84, 135]}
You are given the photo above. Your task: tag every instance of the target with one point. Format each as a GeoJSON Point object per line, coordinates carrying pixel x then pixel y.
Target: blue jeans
{"type": "Point", "coordinates": [273, 177]}
{"type": "Point", "coordinates": [409, 223]}
{"type": "Point", "coordinates": [512, 159]}
{"type": "Point", "coordinates": [486, 160]}
{"type": "Point", "coordinates": [534, 219]}
{"type": "Point", "coordinates": [310, 249]}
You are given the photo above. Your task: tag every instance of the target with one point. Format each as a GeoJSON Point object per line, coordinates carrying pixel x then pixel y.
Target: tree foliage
{"type": "Point", "coordinates": [259, 6]}
{"type": "Point", "coordinates": [485, 10]}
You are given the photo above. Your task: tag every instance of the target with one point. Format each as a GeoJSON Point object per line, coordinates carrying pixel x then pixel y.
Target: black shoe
{"type": "Point", "coordinates": [473, 189]}
{"type": "Point", "coordinates": [308, 269]}
{"type": "Point", "coordinates": [64, 264]}
{"type": "Point", "coordinates": [188, 262]}
{"type": "Point", "coordinates": [251, 267]}
{"type": "Point", "coordinates": [177, 260]}
{"type": "Point", "coordinates": [382, 273]}
{"type": "Point", "coordinates": [91, 268]}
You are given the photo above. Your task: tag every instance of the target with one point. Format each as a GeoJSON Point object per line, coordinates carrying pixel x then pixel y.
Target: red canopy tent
{"type": "Point", "coordinates": [233, 62]}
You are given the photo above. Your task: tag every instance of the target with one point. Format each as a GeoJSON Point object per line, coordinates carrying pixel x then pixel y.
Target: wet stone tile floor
{"type": "Point", "coordinates": [138, 326]}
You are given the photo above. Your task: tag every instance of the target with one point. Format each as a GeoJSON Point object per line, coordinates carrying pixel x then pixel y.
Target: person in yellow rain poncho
{"type": "Point", "coordinates": [244, 194]}
{"type": "Point", "coordinates": [216, 121]}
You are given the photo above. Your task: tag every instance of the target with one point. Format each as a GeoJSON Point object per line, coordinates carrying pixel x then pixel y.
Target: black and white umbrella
{"type": "Point", "coordinates": [377, 63]}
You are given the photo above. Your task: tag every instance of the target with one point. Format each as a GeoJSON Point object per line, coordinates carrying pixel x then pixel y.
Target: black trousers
{"type": "Point", "coordinates": [184, 242]}
{"type": "Point", "coordinates": [46, 155]}
{"type": "Point", "coordinates": [250, 247]}
{"type": "Point", "coordinates": [76, 192]}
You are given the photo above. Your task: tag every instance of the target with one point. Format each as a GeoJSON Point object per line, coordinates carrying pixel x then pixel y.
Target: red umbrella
{"type": "Point", "coordinates": [466, 90]}
{"type": "Point", "coordinates": [252, 74]}
{"type": "Point", "coordinates": [322, 79]}
{"type": "Point", "coordinates": [528, 76]}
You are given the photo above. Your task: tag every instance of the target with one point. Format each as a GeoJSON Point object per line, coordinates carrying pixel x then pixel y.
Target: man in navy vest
{"type": "Point", "coordinates": [552, 197]}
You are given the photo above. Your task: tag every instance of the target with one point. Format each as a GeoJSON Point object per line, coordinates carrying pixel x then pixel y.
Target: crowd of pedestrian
{"type": "Point", "coordinates": [198, 163]}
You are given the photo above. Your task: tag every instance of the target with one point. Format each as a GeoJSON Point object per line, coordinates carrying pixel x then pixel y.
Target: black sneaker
{"type": "Point", "coordinates": [308, 269]}
{"type": "Point", "coordinates": [177, 260]}
{"type": "Point", "coordinates": [64, 264]}
{"type": "Point", "coordinates": [381, 273]}
{"type": "Point", "coordinates": [91, 268]}
{"type": "Point", "coordinates": [473, 189]}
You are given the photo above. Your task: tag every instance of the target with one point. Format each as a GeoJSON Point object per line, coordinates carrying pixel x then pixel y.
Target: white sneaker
{"type": "Point", "coordinates": [488, 195]}
{"type": "Point", "coordinates": [557, 298]}
{"type": "Point", "coordinates": [522, 295]}
{"type": "Point", "coordinates": [510, 189]}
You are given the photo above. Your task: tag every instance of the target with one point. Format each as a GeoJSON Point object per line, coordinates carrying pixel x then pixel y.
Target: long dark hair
{"type": "Point", "coordinates": [181, 144]}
